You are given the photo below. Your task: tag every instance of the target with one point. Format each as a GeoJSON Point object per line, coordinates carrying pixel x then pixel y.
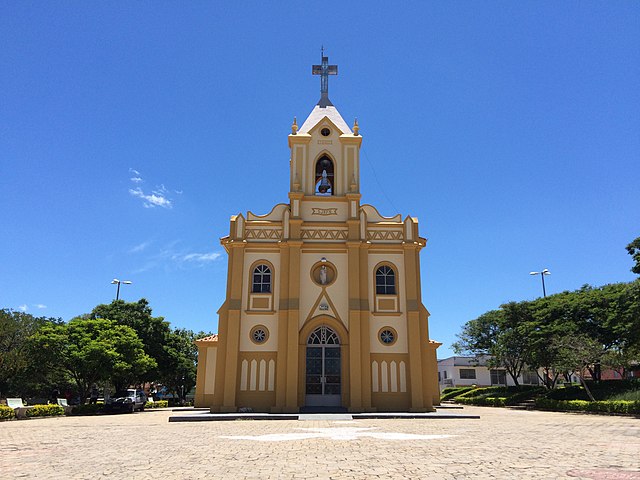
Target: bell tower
{"type": "Point", "coordinates": [325, 152]}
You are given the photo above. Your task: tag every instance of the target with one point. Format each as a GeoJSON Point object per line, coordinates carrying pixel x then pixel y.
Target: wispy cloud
{"type": "Point", "coordinates": [170, 257]}
{"type": "Point", "coordinates": [198, 257]}
{"type": "Point", "coordinates": [158, 196]}
{"type": "Point", "coordinates": [40, 306]}
{"type": "Point", "coordinates": [23, 308]}
{"type": "Point", "coordinates": [151, 200]}
{"type": "Point", "coordinates": [140, 247]}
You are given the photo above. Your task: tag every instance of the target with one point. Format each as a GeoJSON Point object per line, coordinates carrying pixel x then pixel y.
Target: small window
{"type": "Point", "coordinates": [387, 336]}
{"type": "Point", "coordinates": [530, 378]}
{"type": "Point", "coordinates": [445, 374]}
{"type": "Point", "coordinates": [439, 377]}
{"type": "Point", "coordinates": [259, 334]}
{"type": "Point", "coordinates": [261, 279]}
{"type": "Point", "coordinates": [498, 377]}
{"type": "Point", "coordinates": [467, 374]}
{"type": "Point", "coordinates": [385, 281]}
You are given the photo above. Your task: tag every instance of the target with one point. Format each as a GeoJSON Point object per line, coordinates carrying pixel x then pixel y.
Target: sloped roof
{"type": "Point", "coordinates": [210, 338]}
{"type": "Point", "coordinates": [318, 113]}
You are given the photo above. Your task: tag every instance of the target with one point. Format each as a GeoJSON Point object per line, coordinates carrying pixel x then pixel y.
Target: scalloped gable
{"type": "Point", "coordinates": [319, 113]}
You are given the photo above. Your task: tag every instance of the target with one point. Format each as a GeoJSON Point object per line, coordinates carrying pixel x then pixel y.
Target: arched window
{"type": "Point", "coordinates": [261, 279]}
{"type": "Point", "coordinates": [385, 280]}
{"type": "Point", "coordinates": [324, 176]}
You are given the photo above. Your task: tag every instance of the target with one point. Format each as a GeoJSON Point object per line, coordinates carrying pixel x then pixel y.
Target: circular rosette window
{"type": "Point", "coordinates": [387, 336]}
{"type": "Point", "coordinates": [259, 334]}
{"type": "Point", "coordinates": [323, 273]}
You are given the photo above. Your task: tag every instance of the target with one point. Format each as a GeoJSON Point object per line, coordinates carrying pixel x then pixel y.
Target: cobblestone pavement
{"type": "Point", "coordinates": [503, 444]}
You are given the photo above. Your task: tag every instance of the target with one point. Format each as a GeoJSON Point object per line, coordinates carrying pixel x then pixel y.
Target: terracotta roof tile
{"type": "Point", "coordinates": [210, 338]}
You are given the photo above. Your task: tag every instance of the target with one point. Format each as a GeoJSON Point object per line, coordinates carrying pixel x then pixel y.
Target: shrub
{"type": "Point", "coordinates": [450, 389]}
{"type": "Point", "coordinates": [632, 395]}
{"type": "Point", "coordinates": [603, 406]}
{"type": "Point", "coordinates": [157, 404]}
{"type": "Point", "coordinates": [449, 393]}
{"type": "Point", "coordinates": [87, 409]}
{"type": "Point", "coordinates": [49, 410]}
{"type": "Point", "coordinates": [524, 395]}
{"type": "Point", "coordinates": [483, 392]}
{"type": "Point", "coordinates": [6, 413]}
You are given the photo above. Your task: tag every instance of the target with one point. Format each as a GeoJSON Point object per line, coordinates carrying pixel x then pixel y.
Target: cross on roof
{"type": "Point", "coordinates": [324, 70]}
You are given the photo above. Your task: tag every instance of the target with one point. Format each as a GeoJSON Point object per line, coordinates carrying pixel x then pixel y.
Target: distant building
{"type": "Point", "coordinates": [465, 371]}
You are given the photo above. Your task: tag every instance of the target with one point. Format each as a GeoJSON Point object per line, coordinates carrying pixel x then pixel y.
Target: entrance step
{"type": "Point", "coordinates": [323, 410]}
{"type": "Point", "coordinates": [325, 416]}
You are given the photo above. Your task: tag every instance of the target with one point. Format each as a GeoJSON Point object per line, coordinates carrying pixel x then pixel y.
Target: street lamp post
{"type": "Point", "coordinates": [542, 274]}
{"type": "Point", "coordinates": [115, 281]}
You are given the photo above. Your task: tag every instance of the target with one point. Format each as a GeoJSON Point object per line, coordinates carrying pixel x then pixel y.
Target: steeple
{"type": "Point", "coordinates": [324, 150]}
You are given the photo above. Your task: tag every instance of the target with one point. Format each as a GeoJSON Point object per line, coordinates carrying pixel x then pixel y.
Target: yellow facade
{"type": "Point", "coordinates": [323, 307]}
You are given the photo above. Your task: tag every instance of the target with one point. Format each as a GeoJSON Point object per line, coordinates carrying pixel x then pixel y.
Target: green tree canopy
{"type": "Point", "coordinates": [92, 350]}
{"type": "Point", "coordinates": [154, 332]}
{"type": "Point", "coordinates": [538, 333]}
{"type": "Point", "coordinates": [634, 250]}
{"type": "Point", "coordinates": [15, 357]}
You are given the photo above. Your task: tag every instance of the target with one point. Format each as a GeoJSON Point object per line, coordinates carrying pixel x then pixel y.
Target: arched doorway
{"type": "Point", "coordinates": [323, 368]}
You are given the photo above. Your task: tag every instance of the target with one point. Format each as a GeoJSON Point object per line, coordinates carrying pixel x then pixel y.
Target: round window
{"type": "Point", "coordinates": [325, 132]}
{"type": "Point", "coordinates": [387, 336]}
{"type": "Point", "coordinates": [259, 334]}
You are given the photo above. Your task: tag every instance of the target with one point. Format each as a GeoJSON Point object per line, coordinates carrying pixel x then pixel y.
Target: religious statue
{"type": "Point", "coordinates": [323, 275]}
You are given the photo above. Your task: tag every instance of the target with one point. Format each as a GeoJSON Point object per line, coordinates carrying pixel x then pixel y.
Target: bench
{"type": "Point", "coordinates": [18, 406]}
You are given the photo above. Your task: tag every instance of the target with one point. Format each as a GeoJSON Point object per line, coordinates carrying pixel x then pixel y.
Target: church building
{"type": "Point", "coordinates": [323, 307]}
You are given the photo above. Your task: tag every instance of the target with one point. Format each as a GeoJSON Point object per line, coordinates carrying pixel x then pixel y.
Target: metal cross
{"type": "Point", "coordinates": [324, 70]}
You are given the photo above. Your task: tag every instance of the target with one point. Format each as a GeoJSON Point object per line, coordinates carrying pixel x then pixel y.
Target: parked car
{"type": "Point", "coordinates": [127, 400]}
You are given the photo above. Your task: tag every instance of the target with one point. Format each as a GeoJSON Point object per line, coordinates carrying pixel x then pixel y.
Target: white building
{"type": "Point", "coordinates": [465, 371]}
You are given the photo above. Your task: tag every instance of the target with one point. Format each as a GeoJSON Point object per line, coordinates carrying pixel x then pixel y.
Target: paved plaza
{"type": "Point", "coordinates": [503, 443]}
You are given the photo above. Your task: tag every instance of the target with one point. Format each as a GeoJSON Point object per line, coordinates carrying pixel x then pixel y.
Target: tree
{"type": "Point", "coordinates": [15, 358]}
{"type": "Point", "coordinates": [634, 250]}
{"type": "Point", "coordinates": [577, 355]}
{"type": "Point", "coordinates": [152, 331]}
{"type": "Point", "coordinates": [179, 371]}
{"type": "Point", "coordinates": [502, 334]}
{"type": "Point", "coordinates": [90, 351]}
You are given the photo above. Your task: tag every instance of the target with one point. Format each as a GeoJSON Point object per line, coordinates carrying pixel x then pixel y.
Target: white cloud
{"type": "Point", "coordinates": [140, 247]}
{"type": "Point", "coordinates": [200, 257]}
{"type": "Point", "coordinates": [134, 171]}
{"type": "Point", "coordinates": [170, 257]}
{"type": "Point", "coordinates": [23, 308]}
{"type": "Point", "coordinates": [136, 179]}
{"type": "Point", "coordinates": [40, 306]}
{"type": "Point", "coordinates": [155, 199]}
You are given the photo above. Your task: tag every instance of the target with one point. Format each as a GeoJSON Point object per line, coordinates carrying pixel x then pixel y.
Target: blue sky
{"type": "Point", "coordinates": [131, 131]}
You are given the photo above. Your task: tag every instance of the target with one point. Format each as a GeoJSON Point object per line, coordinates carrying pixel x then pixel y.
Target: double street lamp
{"type": "Point", "coordinates": [115, 281]}
{"type": "Point", "coordinates": [542, 274]}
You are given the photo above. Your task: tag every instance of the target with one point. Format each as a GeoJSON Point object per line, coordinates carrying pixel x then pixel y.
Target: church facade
{"type": "Point", "coordinates": [323, 305]}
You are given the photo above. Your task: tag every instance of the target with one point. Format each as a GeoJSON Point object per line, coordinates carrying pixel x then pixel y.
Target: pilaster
{"type": "Point", "coordinates": [355, 332]}
{"type": "Point", "coordinates": [293, 316]}
{"type": "Point", "coordinates": [231, 340]}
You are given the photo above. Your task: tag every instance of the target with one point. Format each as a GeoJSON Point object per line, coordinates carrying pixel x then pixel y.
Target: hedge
{"type": "Point", "coordinates": [44, 411]}
{"type": "Point", "coordinates": [482, 392]}
{"type": "Point", "coordinates": [483, 401]}
{"type": "Point", "coordinates": [603, 406]}
{"type": "Point", "coordinates": [157, 404]}
{"type": "Point", "coordinates": [449, 393]}
{"type": "Point", "coordinates": [6, 413]}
